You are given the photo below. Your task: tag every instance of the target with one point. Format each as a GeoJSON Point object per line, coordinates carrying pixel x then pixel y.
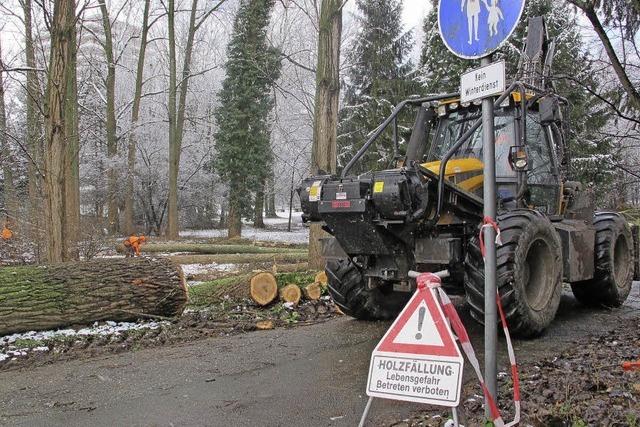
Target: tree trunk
{"type": "Point", "coordinates": [222, 222]}
{"type": "Point", "coordinates": [129, 226]}
{"type": "Point", "coordinates": [175, 143]}
{"type": "Point", "coordinates": [202, 248]}
{"type": "Point", "coordinates": [271, 197]}
{"type": "Point", "coordinates": [258, 212]}
{"type": "Point", "coordinates": [172, 228]}
{"type": "Point", "coordinates": [55, 296]}
{"type": "Point", "coordinates": [323, 153]}
{"type": "Point", "coordinates": [110, 125]}
{"type": "Point", "coordinates": [33, 135]}
{"type": "Point", "coordinates": [72, 154]}
{"type": "Point", "coordinates": [61, 37]}
{"type": "Point", "coordinates": [6, 160]}
{"type": "Point", "coordinates": [234, 220]}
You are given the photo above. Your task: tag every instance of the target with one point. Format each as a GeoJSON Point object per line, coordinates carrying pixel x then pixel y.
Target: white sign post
{"type": "Point", "coordinates": [483, 82]}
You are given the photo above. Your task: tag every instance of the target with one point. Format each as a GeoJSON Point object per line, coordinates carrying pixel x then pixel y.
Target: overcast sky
{"type": "Point", "coordinates": [414, 12]}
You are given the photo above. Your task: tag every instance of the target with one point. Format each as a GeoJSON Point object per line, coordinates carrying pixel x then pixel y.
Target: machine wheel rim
{"type": "Point", "coordinates": [621, 260]}
{"type": "Point", "coordinates": [539, 275]}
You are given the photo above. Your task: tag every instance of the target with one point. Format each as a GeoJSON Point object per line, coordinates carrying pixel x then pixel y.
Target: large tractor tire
{"type": "Point", "coordinates": [529, 272]}
{"type": "Point", "coordinates": [613, 254]}
{"type": "Point", "coordinates": [350, 292]}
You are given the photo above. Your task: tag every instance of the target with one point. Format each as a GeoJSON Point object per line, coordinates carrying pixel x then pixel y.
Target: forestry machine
{"type": "Point", "coordinates": [425, 214]}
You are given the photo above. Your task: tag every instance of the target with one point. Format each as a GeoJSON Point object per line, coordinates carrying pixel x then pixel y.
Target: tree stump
{"type": "Point", "coordinates": [77, 293]}
{"type": "Point", "coordinates": [313, 291]}
{"type": "Point", "coordinates": [291, 293]}
{"type": "Point", "coordinates": [264, 288]}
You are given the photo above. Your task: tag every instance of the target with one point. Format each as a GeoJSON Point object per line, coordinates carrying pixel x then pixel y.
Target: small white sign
{"type": "Point", "coordinates": [483, 82]}
{"type": "Point", "coordinates": [415, 379]}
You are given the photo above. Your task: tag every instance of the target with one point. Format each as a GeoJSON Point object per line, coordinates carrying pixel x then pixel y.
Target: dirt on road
{"type": "Point", "coordinates": [312, 376]}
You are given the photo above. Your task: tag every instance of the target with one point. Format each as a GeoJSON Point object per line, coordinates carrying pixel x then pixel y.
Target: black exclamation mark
{"type": "Point", "coordinates": [421, 314]}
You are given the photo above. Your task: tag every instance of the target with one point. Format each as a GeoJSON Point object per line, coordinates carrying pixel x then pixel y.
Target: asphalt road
{"type": "Point", "coordinates": [307, 376]}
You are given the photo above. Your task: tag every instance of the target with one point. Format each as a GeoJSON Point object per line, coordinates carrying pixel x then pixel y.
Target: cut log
{"type": "Point", "coordinates": [322, 279]}
{"type": "Point", "coordinates": [264, 288]}
{"type": "Point", "coordinates": [313, 291]}
{"type": "Point", "coordinates": [203, 248]}
{"type": "Point", "coordinates": [77, 293]}
{"type": "Point", "coordinates": [264, 325]}
{"type": "Point", "coordinates": [291, 293]}
{"type": "Point", "coordinates": [239, 258]}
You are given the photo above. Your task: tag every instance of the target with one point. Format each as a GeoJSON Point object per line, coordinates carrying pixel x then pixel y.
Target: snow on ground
{"type": "Point", "coordinates": [12, 346]}
{"type": "Point", "coordinates": [193, 269]}
{"type": "Point", "coordinates": [276, 231]}
{"type": "Point", "coordinates": [106, 328]}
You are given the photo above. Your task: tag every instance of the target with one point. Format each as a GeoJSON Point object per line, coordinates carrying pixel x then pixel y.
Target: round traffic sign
{"type": "Point", "coordinates": [473, 29]}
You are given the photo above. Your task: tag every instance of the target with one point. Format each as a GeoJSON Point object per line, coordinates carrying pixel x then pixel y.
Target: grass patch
{"type": "Point", "coordinates": [26, 343]}
{"type": "Point", "coordinates": [300, 278]}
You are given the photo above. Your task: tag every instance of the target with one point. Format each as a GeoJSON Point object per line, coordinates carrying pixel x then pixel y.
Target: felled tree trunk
{"type": "Point", "coordinates": [54, 296]}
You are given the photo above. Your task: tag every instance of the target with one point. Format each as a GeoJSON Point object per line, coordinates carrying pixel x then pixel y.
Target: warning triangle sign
{"type": "Point", "coordinates": [420, 329]}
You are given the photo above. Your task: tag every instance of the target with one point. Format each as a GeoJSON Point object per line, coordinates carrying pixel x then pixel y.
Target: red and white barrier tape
{"type": "Point", "coordinates": [512, 361]}
{"type": "Point", "coordinates": [432, 282]}
{"type": "Point", "coordinates": [489, 222]}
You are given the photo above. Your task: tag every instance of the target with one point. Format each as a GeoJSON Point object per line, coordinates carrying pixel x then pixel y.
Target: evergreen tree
{"type": "Point", "coordinates": [242, 140]}
{"type": "Point", "coordinates": [376, 81]}
{"type": "Point", "coordinates": [440, 71]}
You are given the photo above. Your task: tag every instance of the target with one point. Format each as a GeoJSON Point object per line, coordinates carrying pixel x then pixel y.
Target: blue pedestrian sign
{"type": "Point", "coordinates": [473, 29]}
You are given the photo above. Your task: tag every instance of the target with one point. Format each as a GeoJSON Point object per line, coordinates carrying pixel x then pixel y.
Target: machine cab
{"type": "Point", "coordinates": [534, 181]}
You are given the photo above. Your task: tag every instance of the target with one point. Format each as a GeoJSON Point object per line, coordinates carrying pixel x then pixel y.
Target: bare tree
{"type": "Point", "coordinates": [62, 29]}
{"type": "Point", "coordinates": [33, 133]}
{"type": "Point", "coordinates": [588, 7]}
{"type": "Point", "coordinates": [111, 124]}
{"type": "Point", "coordinates": [6, 156]}
{"type": "Point", "coordinates": [323, 154]}
{"type": "Point", "coordinates": [177, 110]}
{"type": "Point", "coordinates": [135, 115]}
{"type": "Point", "coordinates": [72, 154]}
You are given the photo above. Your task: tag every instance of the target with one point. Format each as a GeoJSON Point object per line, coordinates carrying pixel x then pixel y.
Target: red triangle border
{"type": "Point", "coordinates": [449, 347]}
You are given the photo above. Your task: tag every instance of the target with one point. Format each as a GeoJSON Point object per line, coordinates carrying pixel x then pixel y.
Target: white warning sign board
{"type": "Point", "coordinates": [483, 82]}
{"type": "Point", "coordinates": [418, 360]}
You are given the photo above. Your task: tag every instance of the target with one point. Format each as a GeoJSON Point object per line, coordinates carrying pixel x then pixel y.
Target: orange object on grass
{"type": "Point", "coordinates": [630, 366]}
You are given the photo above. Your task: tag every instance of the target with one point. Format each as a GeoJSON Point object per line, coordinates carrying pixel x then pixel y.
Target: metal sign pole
{"type": "Point", "coordinates": [365, 414]}
{"type": "Point", "coordinates": [490, 308]}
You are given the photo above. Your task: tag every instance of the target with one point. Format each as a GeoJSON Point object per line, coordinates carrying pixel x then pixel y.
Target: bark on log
{"type": "Point", "coordinates": [210, 249]}
{"type": "Point", "coordinates": [313, 291]}
{"type": "Point", "coordinates": [291, 293]}
{"type": "Point", "coordinates": [239, 258]}
{"type": "Point", "coordinates": [54, 296]}
{"type": "Point", "coordinates": [264, 288]}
